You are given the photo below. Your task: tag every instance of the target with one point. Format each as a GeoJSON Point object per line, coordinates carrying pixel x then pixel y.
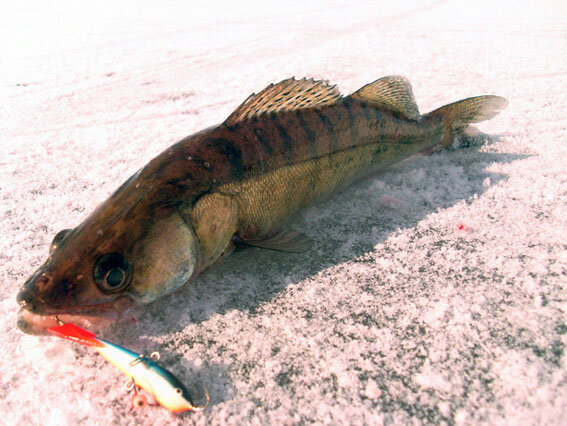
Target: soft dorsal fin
{"type": "Point", "coordinates": [290, 94]}
{"type": "Point", "coordinates": [393, 92]}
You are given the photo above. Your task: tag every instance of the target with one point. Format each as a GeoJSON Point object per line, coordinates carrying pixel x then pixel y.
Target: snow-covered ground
{"type": "Point", "coordinates": [435, 291]}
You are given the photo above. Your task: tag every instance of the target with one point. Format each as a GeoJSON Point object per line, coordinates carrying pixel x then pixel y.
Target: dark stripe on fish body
{"type": "Point", "coordinates": [264, 140]}
{"type": "Point", "coordinates": [311, 140]}
{"type": "Point", "coordinates": [333, 140]}
{"type": "Point", "coordinates": [381, 130]}
{"type": "Point", "coordinates": [253, 152]}
{"type": "Point", "coordinates": [341, 125]}
{"type": "Point", "coordinates": [352, 125]}
{"type": "Point", "coordinates": [369, 124]}
{"type": "Point", "coordinates": [287, 143]}
{"type": "Point", "coordinates": [231, 151]}
{"type": "Point", "coordinates": [370, 118]}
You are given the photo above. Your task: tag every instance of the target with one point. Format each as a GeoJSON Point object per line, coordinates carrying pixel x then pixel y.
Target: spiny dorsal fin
{"type": "Point", "coordinates": [290, 94]}
{"type": "Point", "coordinates": [393, 92]}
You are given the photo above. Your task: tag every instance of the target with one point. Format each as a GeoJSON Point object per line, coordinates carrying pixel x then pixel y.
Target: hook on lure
{"type": "Point", "coordinates": [143, 372]}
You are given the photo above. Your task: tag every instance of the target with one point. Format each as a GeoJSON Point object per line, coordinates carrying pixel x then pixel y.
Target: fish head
{"type": "Point", "coordinates": [129, 250]}
{"type": "Point", "coordinates": [77, 278]}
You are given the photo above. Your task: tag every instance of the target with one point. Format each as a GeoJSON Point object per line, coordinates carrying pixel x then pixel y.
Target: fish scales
{"type": "Point", "coordinates": [236, 153]}
{"type": "Point", "coordinates": [318, 169]}
{"type": "Point", "coordinates": [293, 144]}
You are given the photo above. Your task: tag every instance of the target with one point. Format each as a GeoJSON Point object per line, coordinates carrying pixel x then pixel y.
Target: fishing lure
{"type": "Point", "coordinates": [144, 372]}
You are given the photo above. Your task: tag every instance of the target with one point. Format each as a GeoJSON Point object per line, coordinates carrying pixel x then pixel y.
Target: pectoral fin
{"type": "Point", "coordinates": [286, 240]}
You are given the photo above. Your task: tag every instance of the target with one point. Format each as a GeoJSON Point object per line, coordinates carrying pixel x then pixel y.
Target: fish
{"type": "Point", "coordinates": [293, 144]}
{"type": "Point", "coordinates": [142, 371]}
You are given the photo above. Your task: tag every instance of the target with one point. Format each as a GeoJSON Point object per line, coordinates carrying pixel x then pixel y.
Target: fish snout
{"type": "Point", "coordinates": [30, 296]}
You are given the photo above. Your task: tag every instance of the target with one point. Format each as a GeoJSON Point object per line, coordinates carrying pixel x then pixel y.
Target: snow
{"type": "Point", "coordinates": [435, 291]}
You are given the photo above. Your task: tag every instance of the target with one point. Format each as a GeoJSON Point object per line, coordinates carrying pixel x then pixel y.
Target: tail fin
{"type": "Point", "coordinates": [76, 334]}
{"type": "Point", "coordinates": [458, 115]}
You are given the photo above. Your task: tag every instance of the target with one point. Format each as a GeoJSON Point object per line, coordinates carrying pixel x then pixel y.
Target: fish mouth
{"type": "Point", "coordinates": [86, 316]}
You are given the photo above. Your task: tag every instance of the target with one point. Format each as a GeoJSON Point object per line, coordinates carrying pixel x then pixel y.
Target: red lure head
{"type": "Point", "coordinates": [76, 334]}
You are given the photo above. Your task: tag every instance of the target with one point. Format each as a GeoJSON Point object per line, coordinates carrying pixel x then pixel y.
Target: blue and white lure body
{"type": "Point", "coordinates": [144, 372]}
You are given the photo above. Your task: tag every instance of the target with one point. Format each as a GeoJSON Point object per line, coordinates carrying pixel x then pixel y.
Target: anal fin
{"type": "Point", "coordinates": [287, 240]}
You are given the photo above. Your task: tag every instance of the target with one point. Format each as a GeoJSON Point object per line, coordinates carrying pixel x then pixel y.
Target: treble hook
{"type": "Point", "coordinates": [131, 384]}
{"type": "Point", "coordinates": [58, 320]}
{"type": "Point", "coordinates": [205, 405]}
{"type": "Point", "coordinates": [154, 356]}
{"type": "Point", "coordinates": [138, 360]}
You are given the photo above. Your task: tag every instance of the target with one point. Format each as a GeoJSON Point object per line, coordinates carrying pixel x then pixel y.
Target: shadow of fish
{"type": "Point", "coordinates": [293, 144]}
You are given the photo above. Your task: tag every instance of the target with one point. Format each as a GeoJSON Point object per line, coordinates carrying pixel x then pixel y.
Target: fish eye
{"type": "Point", "coordinates": [60, 236]}
{"type": "Point", "coordinates": [112, 272]}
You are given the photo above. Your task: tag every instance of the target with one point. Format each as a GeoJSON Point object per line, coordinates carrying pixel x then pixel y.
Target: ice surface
{"type": "Point", "coordinates": [435, 291]}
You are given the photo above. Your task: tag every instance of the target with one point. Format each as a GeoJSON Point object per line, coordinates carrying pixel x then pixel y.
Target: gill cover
{"type": "Point", "coordinates": [164, 259]}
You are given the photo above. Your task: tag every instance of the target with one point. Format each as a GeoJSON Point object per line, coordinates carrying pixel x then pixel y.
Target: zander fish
{"type": "Point", "coordinates": [293, 144]}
